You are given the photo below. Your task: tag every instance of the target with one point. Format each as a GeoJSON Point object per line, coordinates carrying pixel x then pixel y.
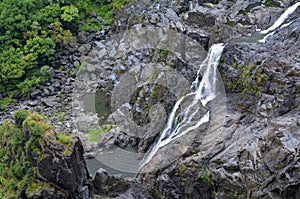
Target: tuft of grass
{"type": "Point", "coordinates": [62, 117]}
{"type": "Point", "coordinates": [154, 95]}
{"type": "Point", "coordinates": [153, 74]}
{"type": "Point", "coordinates": [80, 68]}
{"type": "Point", "coordinates": [94, 134]}
{"type": "Point", "coordinates": [271, 3]}
{"type": "Point", "coordinates": [206, 177]}
{"type": "Point", "coordinates": [20, 117]}
{"type": "Point", "coordinates": [4, 102]}
{"type": "Point", "coordinates": [64, 139]}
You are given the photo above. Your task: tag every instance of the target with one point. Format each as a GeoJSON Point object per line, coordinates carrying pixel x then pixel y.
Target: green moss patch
{"type": "Point", "coordinates": [249, 8]}
{"type": "Point", "coordinates": [95, 134]}
{"type": "Point", "coordinates": [271, 3]}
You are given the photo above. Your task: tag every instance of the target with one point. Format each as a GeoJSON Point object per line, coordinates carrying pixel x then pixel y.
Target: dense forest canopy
{"type": "Point", "coordinates": [31, 31]}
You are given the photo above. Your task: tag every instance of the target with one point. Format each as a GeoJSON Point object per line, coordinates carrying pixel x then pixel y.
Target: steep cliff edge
{"type": "Point", "coordinates": [37, 162]}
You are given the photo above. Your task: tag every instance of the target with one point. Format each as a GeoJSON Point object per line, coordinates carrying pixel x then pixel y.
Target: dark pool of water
{"type": "Point", "coordinates": [97, 103]}
{"type": "Point", "coordinates": [115, 161]}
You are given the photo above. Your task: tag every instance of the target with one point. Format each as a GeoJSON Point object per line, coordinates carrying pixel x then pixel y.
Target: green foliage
{"type": "Point", "coordinates": [36, 125]}
{"type": "Point", "coordinates": [206, 177]}
{"type": "Point", "coordinates": [62, 117]}
{"type": "Point", "coordinates": [13, 164]}
{"type": "Point", "coordinates": [4, 102]}
{"type": "Point", "coordinates": [153, 74]}
{"type": "Point", "coordinates": [103, 8]}
{"type": "Point", "coordinates": [39, 49]}
{"type": "Point", "coordinates": [154, 95]}
{"type": "Point", "coordinates": [235, 194]}
{"type": "Point", "coordinates": [59, 35]}
{"type": "Point", "coordinates": [251, 79]}
{"type": "Point", "coordinates": [13, 63]}
{"type": "Point", "coordinates": [94, 134]}
{"type": "Point", "coordinates": [249, 8]}
{"type": "Point", "coordinates": [47, 14]}
{"type": "Point", "coordinates": [272, 3]}
{"type": "Point", "coordinates": [182, 169]}
{"type": "Point", "coordinates": [31, 31]}
{"type": "Point", "coordinates": [91, 24]}
{"type": "Point", "coordinates": [64, 138]}
{"type": "Point", "coordinates": [118, 4]}
{"type": "Point", "coordinates": [230, 23]}
{"type": "Point", "coordinates": [161, 54]}
{"type": "Point", "coordinates": [164, 52]}
{"type": "Point", "coordinates": [69, 13]}
{"type": "Point", "coordinates": [41, 76]}
{"type": "Point", "coordinates": [80, 68]}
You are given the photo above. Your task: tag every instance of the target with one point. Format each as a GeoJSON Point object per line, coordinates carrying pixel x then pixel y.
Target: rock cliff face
{"type": "Point", "coordinates": [67, 172]}
{"type": "Point", "coordinates": [255, 152]}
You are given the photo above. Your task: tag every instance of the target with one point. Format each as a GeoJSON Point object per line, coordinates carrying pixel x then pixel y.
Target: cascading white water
{"type": "Point", "coordinates": [206, 90]}
{"type": "Point", "coordinates": [192, 6]}
{"type": "Point", "coordinates": [279, 21]}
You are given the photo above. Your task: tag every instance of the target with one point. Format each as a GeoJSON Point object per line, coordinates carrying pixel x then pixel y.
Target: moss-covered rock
{"type": "Point", "coordinates": [36, 161]}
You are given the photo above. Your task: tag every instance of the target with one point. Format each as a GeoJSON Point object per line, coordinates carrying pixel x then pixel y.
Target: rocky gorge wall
{"type": "Point", "coordinates": [255, 153]}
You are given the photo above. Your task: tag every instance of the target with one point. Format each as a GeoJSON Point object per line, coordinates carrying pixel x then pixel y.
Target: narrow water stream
{"type": "Point", "coordinates": [190, 117]}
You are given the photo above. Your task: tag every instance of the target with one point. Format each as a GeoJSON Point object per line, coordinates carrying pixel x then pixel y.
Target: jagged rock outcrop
{"type": "Point", "coordinates": [68, 172]}
{"type": "Point", "coordinates": [46, 164]}
{"type": "Point", "coordinates": [104, 184]}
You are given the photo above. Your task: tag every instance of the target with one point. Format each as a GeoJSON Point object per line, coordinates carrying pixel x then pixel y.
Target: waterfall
{"type": "Point", "coordinates": [202, 91]}
{"type": "Point", "coordinates": [279, 21]}
{"type": "Point", "coordinates": [193, 7]}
